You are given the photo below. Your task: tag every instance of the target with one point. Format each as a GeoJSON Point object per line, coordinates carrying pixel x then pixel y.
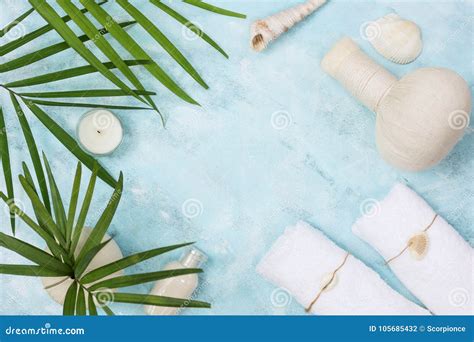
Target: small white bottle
{"type": "Point", "coordinates": [180, 286]}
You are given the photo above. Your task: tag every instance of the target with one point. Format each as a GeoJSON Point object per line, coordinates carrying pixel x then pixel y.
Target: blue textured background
{"type": "Point", "coordinates": [250, 179]}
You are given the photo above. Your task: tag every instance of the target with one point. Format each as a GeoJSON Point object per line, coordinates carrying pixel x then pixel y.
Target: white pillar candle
{"type": "Point", "coordinates": [99, 131]}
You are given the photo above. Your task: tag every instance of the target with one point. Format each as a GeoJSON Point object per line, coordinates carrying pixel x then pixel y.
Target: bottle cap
{"type": "Point", "coordinates": [193, 258]}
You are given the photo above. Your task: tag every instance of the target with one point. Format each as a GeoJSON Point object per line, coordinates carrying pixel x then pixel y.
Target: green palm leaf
{"type": "Point", "coordinates": [33, 150]}
{"type": "Point", "coordinates": [103, 223]}
{"type": "Point", "coordinates": [84, 209]}
{"type": "Point", "coordinates": [69, 307]}
{"type": "Point", "coordinates": [134, 298]}
{"type": "Point", "coordinates": [136, 279]}
{"type": "Point", "coordinates": [91, 31]}
{"type": "Point", "coordinates": [28, 176]}
{"type": "Point", "coordinates": [31, 270]}
{"type": "Point", "coordinates": [73, 203]}
{"type": "Point", "coordinates": [14, 23]}
{"type": "Point", "coordinates": [15, 44]}
{"type": "Point", "coordinates": [48, 14]}
{"type": "Point", "coordinates": [58, 206]}
{"type": "Point", "coordinates": [190, 25]}
{"type": "Point", "coordinates": [7, 171]}
{"type": "Point", "coordinates": [69, 142]}
{"type": "Point", "coordinates": [161, 39]}
{"type": "Point", "coordinates": [33, 253]}
{"type": "Point", "coordinates": [107, 310]}
{"type": "Point", "coordinates": [134, 49]}
{"type": "Point", "coordinates": [84, 105]}
{"type": "Point", "coordinates": [55, 248]}
{"type": "Point", "coordinates": [82, 263]}
{"type": "Point", "coordinates": [29, 179]}
{"type": "Point", "coordinates": [81, 303]}
{"type": "Point", "coordinates": [91, 305]}
{"type": "Point", "coordinates": [101, 272]}
{"type": "Point", "coordinates": [215, 9]}
{"type": "Point", "coordinates": [67, 73]}
{"type": "Point", "coordinates": [45, 218]}
{"type": "Point", "coordinates": [86, 93]}
{"type": "Point", "coordinates": [48, 51]}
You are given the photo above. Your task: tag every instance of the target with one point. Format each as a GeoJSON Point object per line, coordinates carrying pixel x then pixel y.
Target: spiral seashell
{"type": "Point", "coordinates": [397, 39]}
{"type": "Point", "coordinates": [263, 31]}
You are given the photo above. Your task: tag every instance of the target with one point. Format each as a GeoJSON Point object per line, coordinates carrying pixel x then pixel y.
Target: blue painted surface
{"type": "Point", "coordinates": [250, 179]}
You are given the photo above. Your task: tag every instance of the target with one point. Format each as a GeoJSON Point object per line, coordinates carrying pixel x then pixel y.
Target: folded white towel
{"type": "Point", "coordinates": [442, 279]}
{"type": "Point", "coordinates": [303, 257]}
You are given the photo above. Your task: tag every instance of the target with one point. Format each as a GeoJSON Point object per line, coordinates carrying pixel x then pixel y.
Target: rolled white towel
{"type": "Point", "coordinates": [303, 260]}
{"type": "Point", "coordinates": [440, 274]}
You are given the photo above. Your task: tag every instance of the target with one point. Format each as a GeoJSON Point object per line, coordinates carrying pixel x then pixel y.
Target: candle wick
{"type": "Point", "coordinates": [99, 132]}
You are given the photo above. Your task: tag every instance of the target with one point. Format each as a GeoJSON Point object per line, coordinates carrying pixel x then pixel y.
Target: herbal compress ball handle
{"type": "Point", "coordinates": [419, 117]}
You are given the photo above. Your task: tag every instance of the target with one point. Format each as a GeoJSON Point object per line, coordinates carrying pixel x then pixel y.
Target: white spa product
{"type": "Point", "coordinates": [263, 31]}
{"type": "Point", "coordinates": [109, 253]}
{"type": "Point", "coordinates": [419, 117]}
{"type": "Point", "coordinates": [180, 286]}
{"type": "Point", "coordinates": [307, 267]}
{"type": "Point", "coordinates": [439, 269]}
{"type": "Point", "coordinates": [99, 132]}
{"type": "Point", "coordinates": [395, 38]}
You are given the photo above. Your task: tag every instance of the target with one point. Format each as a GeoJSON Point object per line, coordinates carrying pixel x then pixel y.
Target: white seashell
{"type": "Point", "coordinates": [418, 245]}
{"type": "Point", "coordinates": [397, 39]}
